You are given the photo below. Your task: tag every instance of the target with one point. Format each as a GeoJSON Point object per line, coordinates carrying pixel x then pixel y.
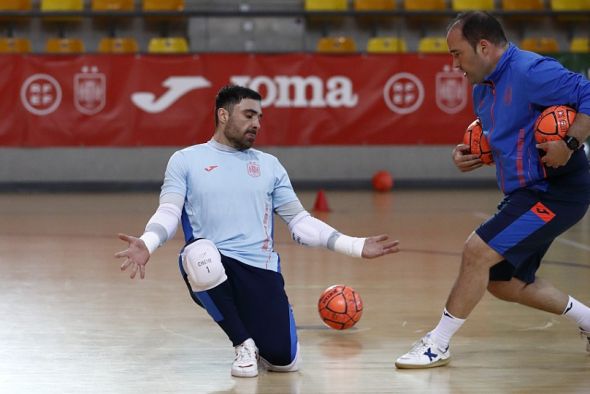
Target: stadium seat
{"type": "Point", "coordinates": [62, 5]}
{"type": "Point", "coordinates": [570, 5]}
{"type": "Point", "coordinates": [15, 5]}
{"type": "Point", "coordinates": [163, 5]}
{"type": "Point", "coordinates": [433, 45]}
{"type": "Point", "coordinates": [580, 45]}
{"type": "Point", "coordinates": [425, 5]}
{"type": "Point", "coordinates": [463, 5]}
{"type": "Point", "coordinates": [386, 45]}
{"type": "Point", "coordinates": [326, 5]}
{"type": "Point", "coordinates": [374, 5]}
{"type": "Point", "coordinates": [15, 45]}
{"type": "Point", "coordinates": [168, 45]}
{"type": "Point", "coordinates": [339, 44]}
{"type": "Point", "coordinates": [523, 5]}
{"type": "Point", "coordinates": [118, 45]}
{"type": "Point", "coordinates": [540, 44]}
{"type": "Point", "coordinates": [112, 5]}
{"type": "Point", "coordinates": [64, 45]}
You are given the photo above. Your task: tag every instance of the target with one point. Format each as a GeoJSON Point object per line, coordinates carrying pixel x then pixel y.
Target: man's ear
{"type": "Point", "coordinates": [484, 46]}
{"type": "Point", "coordinates": [222, 115]}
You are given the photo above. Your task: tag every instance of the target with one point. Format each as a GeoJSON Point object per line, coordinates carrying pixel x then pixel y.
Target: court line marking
{"type": "Point", "coordinates": [545, 326]}
{"type": "Point", "coordinates": [574, 244]}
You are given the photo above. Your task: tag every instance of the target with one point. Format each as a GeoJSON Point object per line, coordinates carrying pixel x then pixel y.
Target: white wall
{"type": "Point", "coordinates": [328, 166]}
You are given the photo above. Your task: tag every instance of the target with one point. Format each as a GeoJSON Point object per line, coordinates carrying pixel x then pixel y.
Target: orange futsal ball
{"type": "Point", "coordinates": [478, 143]}
{"type": "Point", "coordinates": [340, 307]}
{"type": "Point", "coordinates": [382, 181]}
{"type": "Point", "coordinates": [553, 123]}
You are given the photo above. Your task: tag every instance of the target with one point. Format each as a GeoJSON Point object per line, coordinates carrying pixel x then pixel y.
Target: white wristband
{"type": "Point", "coordinates": [349, 246]}
{"type": "Point", "coordinates": [151, 241]}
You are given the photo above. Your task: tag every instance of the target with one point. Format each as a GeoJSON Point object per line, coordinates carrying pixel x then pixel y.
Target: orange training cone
{"type": "Point", "coordinates": [321, 203]}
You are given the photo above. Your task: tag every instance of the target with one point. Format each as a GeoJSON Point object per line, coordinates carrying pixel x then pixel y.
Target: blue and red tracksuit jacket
{"type": "Point", "coordinates": [509, 101]}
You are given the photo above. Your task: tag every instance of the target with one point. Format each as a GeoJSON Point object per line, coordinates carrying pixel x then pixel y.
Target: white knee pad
{"type": "Point", "coordinates": [202, 263]}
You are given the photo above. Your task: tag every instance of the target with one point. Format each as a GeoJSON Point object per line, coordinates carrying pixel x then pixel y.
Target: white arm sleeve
{"type": "Point", "coordinates": [309, 231]}
{"type": "Point", "coordinates": [163, 224]}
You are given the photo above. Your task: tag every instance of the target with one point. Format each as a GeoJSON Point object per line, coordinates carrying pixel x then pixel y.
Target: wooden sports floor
{"type": "Point", "coordinates": [71, 322]}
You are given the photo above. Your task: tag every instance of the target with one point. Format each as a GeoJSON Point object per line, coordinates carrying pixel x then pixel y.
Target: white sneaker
{"type": "Point", "coordinates": [424, 354]}
{"type": "Point", "coordinates": [246, 362]}
{"type": "Point", "coordinates": [586, 335]}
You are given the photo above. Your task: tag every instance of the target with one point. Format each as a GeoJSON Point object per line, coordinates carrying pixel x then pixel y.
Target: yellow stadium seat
{"type": "Point", "coordinates": [463, 5]}
{"type": "Point", "coordinates": [168, 45]}
{"type": "Point", "coordinates": [433, 45]}
{"type": "Point", "coordinates": [15, 45]}
{"type": "Point", "coordinates": [570, 5]}
{"type": "Point", "coordinates": [523, 5]}
{"type": "Point", "coordinates": [540, 44]}
{"type": "Point", "coordinates": [326, 5]}
{"type": "Point", "coordinates": [374, 5]}
{"type": "Point", "coordinates": [386, 45]}
{"type": "Point", "coordinates": [62, 5]}
{"type": "Point", "coordinates": [112, 5]}
{"type": "Point", "coordinates": [336, 45]}
{"type": "Point", "coordinates": [580, 45]}
{"type": "Point", "coordinates": [163, 5]}
{"type": "Point", "coordinates": [15, 5]}
{"type": "Point", "coordinates": [424, 5]}
{"type": "Point", "coordinates": [118, 45]}
{"type": "Point", "coordinates": [64, 45]}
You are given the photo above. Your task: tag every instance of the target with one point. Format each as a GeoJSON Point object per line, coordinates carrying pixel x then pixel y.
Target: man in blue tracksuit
{"type": "Point", "coordinates": [546, 186]}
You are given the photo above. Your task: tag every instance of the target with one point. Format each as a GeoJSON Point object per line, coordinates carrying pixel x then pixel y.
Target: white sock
{"type": "Point", "coordinates": [578, 312]}
{"type": "Point", "coordinates": [446, 328]}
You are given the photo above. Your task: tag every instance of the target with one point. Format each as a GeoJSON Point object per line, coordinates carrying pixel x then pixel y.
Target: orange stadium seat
{"type": "Point", "coordinates": [168, 45]}
{"type": "Point", "coordinates": [118, 45]}
{"type": "Point", "coordinates": [386, 45]}
{"type": "Point", "coordinates": [374, 5]}
{"type": "Point", "coordinates": [540, 44]}
{"type": "Point", "coordinates": [15, 45]}
{"type": "Point", "coordinates": [580, 45]}
{"type": "Point", "coordinates": [463, 5]}
{"type": "Point", "coordinates": [64, 45]}
{"type": "Point", "coordinates": [112, 5]}
{"type": "Point", "coordinates": [326, 5]}
{"type": "Point", "coordinates": [15, 5]}
{"type": "Point", "coordinates": [570, 5]}
{"type": "Point", "coordinates": [339, 44]}
{"type": "Point", "coordinates": [523, 5]}
{"type": "Point", "coordinates": [425, 5]}
{"type": "Point", "coordinates": [433, 45]}
{"type": "Point", "coordinates": [163, 5]}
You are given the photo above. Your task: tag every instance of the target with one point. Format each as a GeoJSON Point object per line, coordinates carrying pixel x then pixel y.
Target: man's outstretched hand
{"type": "Point", "coordinates": [379, 245]}
{"type": "Point", "coordinates": [136, 255]}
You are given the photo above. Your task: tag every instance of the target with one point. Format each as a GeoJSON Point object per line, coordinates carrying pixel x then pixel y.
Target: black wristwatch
{"type": "Point", "coordinates": [571, 142]}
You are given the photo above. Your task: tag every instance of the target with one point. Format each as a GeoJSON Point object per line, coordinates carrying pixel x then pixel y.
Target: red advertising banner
{"type": "Point", "coordinates": [308, 99]}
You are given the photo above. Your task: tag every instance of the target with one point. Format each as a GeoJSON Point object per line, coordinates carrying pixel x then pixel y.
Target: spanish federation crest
{"type": "Point", "coordinates": [89, 91]}
{"type": "Point", "coordinates": [253, 169]}
{"type": "Point", "coordinates": [451, 91]}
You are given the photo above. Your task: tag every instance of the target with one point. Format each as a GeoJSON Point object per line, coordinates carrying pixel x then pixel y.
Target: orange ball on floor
{"type": "Point", "coordinates": [382, 181]}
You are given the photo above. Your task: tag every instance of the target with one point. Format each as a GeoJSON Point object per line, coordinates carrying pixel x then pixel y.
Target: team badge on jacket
{"type": "Point", "coordinates": [253, 169]}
